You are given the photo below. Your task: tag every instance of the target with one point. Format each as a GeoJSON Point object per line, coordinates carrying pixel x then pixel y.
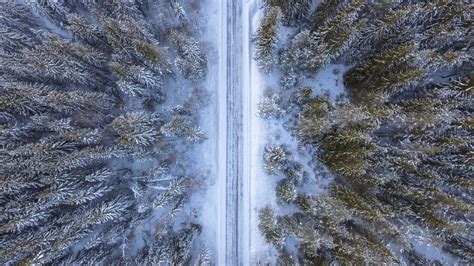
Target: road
{"type": "Point", "coordinates": [235, 116]}
{"type": "Point", "coordinates": [234, 145]}
{"type": "Point", "coordinates": [230, 134]}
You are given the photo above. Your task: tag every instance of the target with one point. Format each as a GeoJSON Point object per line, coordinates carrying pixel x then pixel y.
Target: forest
{"type": "Point", "coordinates": [97, 112]}
{"type": "Point", "coordinates": [397, 144]}
{"type": "Point", "coordinates": [280, 132]}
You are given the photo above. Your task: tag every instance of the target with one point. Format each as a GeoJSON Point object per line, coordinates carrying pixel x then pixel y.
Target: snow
{"type": "Point", "coordinates": [222, 136]}
{"type": "Point", "coordinates": [419, 240]}
{"type": "Point", "coordinates": [209, 153]}
{"type": "Point", "coordinates": [246, 127]}
{"type": "Point", "coordinates": [432, 253]}
{"type": "Point", "coordinates": [328, 80]}
{"type": "Point", "coordinates": [258, 182]}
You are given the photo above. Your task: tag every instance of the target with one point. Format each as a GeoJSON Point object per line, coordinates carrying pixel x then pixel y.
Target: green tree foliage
{"type": "Point", "coordinates": [266, 39]}
{"type": "Point", "coordinates": [192, 61]}
{"type": "Point", "coordinates": [293, 11]}
{"type": "Point", "coordinates": [268, 225]}
{"type": "Point", "coordinates": [322, 12]}
{"type": "Point", "coordinates": [314, 47]}
{"type": "Point", "coordinates": [386, 71]}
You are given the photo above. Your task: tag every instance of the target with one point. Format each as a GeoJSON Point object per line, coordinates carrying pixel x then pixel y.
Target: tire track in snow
{"type": "Point", "coordinates": [230, 134]}
{"type": "Point", "coordinates": [234, 132]}
{"type": "Point", "coordinates": [222, 137]}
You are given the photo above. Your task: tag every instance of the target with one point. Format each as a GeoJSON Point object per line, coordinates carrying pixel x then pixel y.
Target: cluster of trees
{"type": "Point", "coordinates": [90, 160]}
{"type": "Point", "coordinates": [399, 148]}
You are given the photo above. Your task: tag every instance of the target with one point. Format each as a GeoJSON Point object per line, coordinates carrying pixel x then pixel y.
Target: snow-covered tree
{"type": "Point", "coordinates": [266, 39]}
{"type": "Point", "coordinates": [268, 225]}
{"type": "Point", "coordinates": [275, 157]}
{"type": "Point", "coordinates": [179, 11]}
{"type": "Point", "coordinates": [294, 11]}
{"type": "Point", "coordinates": [268, 107]}
{"type": "Point", "coordinates": [192, 62]}
{"type": "Point", "coordinates": [136, 129]}
{"type": "Point", "coordinates": [286, 191]}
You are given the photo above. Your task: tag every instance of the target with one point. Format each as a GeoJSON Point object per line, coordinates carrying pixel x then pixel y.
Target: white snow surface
{"type": "Point", "coordinates": [260, 185]}
{"type": "Point", "coordinates": [328, 80]}
{"type": "Point", "coordinates": [208, 154]}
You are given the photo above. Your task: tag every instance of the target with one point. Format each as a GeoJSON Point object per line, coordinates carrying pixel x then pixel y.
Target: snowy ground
{"type": "Point", "coordinates": [260, 184]}
{"type": "Point", "coordinates": [209, 153]}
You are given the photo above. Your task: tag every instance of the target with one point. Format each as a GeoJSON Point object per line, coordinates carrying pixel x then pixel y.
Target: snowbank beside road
{"type": "Point", "coordinates": [259, 185]}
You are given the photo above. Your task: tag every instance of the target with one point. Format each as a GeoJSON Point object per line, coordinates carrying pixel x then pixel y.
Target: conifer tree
{"type": "Point", "coordinates": [269, 227]}
{"type": "Point", "coordinates": [312, 50]}
{"type": "Point", "coordinates": [266, 39]}
{"type": "Point", "coordinates": [293, 11]}
{"type": "Point", "coordinates": [192, 62]}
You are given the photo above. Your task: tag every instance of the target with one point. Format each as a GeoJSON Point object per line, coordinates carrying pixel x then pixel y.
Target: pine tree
{"type": "Point", "coordinates": [19, 31]}
{"type": "Point", "coordinates": [286, 191]}
{"type": "Point", "coordinates": [322, 12]}
{"type": "Point", "coordinates": [386, 72]}
{"type": "Point", "coordinates": [268, 226]}
{"type": "Point", "coordinates": [268, 107]}
{"type": "Point", "coordinates": [266, 39]}
{"type": "Point", "coordinates": [192, 62]}
{"type": "Point", "coordinates": [275, 157]}
{"type": "Point", "coordinates": [179, 11]}
{"type": "Point", "coordinates": [294, 11]}
{"type": "Point", "coordinates": [136, 129]}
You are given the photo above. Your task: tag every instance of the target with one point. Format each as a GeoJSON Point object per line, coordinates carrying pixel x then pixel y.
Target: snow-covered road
{"type": "Point", "coordinates": [234, 145]}
{"type": "Point", "coordinates": [238, 136]}
{"type": "Point", "coordinates": [230, 134]}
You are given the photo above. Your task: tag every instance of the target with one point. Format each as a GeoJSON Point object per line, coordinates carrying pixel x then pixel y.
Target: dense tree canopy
{"type": "Point", "coordinates": [90, 168]}
{"type": "Point", "coordinates": [399, 148]}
